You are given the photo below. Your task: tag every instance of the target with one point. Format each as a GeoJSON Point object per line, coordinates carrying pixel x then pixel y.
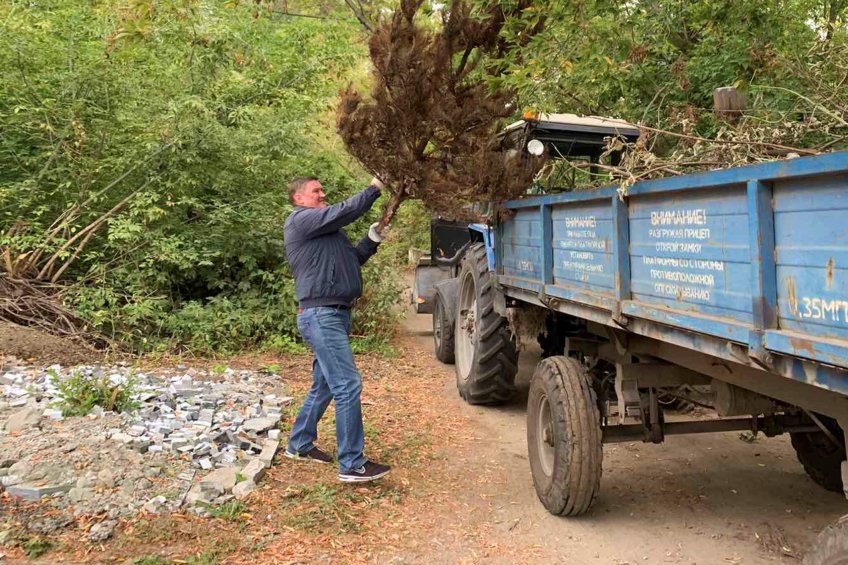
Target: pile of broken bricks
{"type": "Point", "coordinates": [218, 426]}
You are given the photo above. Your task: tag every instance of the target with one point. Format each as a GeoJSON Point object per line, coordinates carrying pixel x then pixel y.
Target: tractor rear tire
{"type": "Point", "coordinates": [564, 436]}
{"type": "Point", "coordinates": [485, 347]}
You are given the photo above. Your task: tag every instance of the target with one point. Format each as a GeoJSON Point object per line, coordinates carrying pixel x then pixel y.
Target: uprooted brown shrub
{"type": "Point", "coordinates": [429, 128]}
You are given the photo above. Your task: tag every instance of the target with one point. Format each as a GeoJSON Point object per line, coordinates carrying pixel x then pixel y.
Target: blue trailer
{"type": "Point", "coordinates": [732, 282]}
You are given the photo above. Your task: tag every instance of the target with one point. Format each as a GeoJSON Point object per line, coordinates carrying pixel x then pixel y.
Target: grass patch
{"type": "Point", "coordinates": [288, 414]}
{"type": "Point", "coordinates": [369, 344]}
{"type": "Point", "coordinates": [320, 508]}
{"type": "Point", "coordinates": [371, 434]}
{"type": "Point", "coordinates": [284, 344]}
{"type": "Point", "coordinates": [35, 547]}
{"type": "Point", "coordinates": [231, 511]}
{"type": "Point", "coordinates": [325, 509]}
{"type": "Point", "coordinates": [79, 393]}
{"type": "Point", "coordinates": [271, 369]}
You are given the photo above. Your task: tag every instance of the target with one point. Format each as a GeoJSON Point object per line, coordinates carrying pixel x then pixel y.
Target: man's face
{"type": "Point", "coordinates": [312, 196]}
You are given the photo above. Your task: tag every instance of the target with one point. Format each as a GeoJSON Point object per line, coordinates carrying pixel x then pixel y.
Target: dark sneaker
{"type": "Point", "coordinates": [315, 455]}
{"type": "Point", "coordinates": [369, 472]}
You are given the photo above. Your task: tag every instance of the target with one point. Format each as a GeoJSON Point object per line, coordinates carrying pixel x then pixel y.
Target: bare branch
{"type": "Point", "coordinates": [358, 11]}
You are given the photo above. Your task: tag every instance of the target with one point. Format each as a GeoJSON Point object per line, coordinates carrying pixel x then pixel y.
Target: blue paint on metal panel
{"type": "Point", "coordinates": [832, 352]}
{"type": "Point", "coordinates": [681, 247]}
{"type": "Point", "coordinates": [807, 305]}
{"type": "Point", "coordinates": [621, 248]}
{"type": "Point", "coordinates": [702, 269]}
{"type": "Point", "coordinates": [813, 374]}
{"type": "Point", "coordinates": [763, 283]}
{"type": "Point", "coordinates": [595, 299]}
{"type": "Point", "coordinates": [811, 239]}
{"type": "Point", "coordinates": [829, 378]}
{"type": "Point", "coordinates": [521, 245]}
{"type": "Point", "coordinates": [524, 284]}
{"type": "Point", "coordinates": [726, 329]}
{"type": "Point", "coordinates": [488, 242]}
{"type": "Point", "coordinates": [582, 245]}
{"type": "Point", "coordinates": [671, 330]}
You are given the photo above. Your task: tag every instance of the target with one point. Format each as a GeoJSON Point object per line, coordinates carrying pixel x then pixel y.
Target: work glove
{"type": "Point", "coordinates": [374, 235]}
{"type": "Point", "coordinates": [377, 183]}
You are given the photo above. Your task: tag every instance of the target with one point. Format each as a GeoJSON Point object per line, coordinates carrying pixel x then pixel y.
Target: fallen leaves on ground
{"type": "Point", "coordinates": [302, 513]}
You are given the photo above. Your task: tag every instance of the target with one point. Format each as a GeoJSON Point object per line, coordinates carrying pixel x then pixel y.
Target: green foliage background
{"type": "Point", "coordinates": [659, 61]}
{"type": "Point", "coordinates": [202, 111]}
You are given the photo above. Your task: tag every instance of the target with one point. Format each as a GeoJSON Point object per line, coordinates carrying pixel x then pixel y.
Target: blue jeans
{"type": "Point", "coordinates": [334, 376]}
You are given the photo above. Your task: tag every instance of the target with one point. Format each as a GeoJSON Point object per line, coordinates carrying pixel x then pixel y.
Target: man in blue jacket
{"type": "Point", "coordinates": [327, 275]}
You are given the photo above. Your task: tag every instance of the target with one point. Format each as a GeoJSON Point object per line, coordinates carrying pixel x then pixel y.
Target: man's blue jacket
{"type": "Point", "coordinates": [324, 262]}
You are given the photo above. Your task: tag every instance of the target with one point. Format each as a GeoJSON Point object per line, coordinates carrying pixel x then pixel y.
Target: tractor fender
{"type": "Point", "coordinates": [448, 292]}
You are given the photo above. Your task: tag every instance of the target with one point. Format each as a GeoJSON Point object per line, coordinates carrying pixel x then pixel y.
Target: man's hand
{"type": "Point", "coordinates": [375, 235]}
{"type": "Point", "coordinates": [377, 183]}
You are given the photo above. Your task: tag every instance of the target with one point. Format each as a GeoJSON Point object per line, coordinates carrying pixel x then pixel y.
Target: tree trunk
{"type": "Point", "coordinates": [729, 104]}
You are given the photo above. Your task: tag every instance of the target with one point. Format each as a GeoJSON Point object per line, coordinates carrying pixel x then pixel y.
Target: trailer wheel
{"type": "Point", "coordinates": [486, 352]}
{"type": "Point", "coordinates": [831, 547]}
{"type": "Point", "coordinates": [443, 341]}
{"type": "Point", "coordinates": [821, 457]}
{"type": "Point", "coordinates": [564, 436]}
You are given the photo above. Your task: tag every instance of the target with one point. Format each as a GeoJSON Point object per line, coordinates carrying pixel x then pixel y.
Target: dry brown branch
{"type": "Point", "coordinates": [428, 129]}
{"type": "Point", "coordinates": [73, 257]}
{"type": "Point", "coordinates": [729, 141]}
{"type": "Point", "coordinates": [39, 305]}
{"type": "Point", "coordinates": [90, 228]}
{"type": "Point", "coordinates": [359, 12]}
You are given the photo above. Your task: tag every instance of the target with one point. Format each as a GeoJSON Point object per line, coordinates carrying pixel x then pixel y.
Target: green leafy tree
{"type": "Point", "coordinates": [659, 61]}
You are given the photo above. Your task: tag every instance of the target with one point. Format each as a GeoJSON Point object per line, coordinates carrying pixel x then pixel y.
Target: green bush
{"type": "Point", "coordinates": [376, 316]}
{"type": "Point", "coordinates": [80, 393]}
{"type": "Point", "coordinates": [410, 228]}
{"type": "Point", "coordinates": [192, 117]}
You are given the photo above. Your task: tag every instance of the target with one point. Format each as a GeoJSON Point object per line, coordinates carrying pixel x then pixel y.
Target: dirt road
{"type": "Point", "coordinates": [711, 498]}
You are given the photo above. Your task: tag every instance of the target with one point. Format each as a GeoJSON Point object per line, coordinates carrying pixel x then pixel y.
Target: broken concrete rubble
{"type": "Point", "coordinates": [219, 481]}
{"type": "Point", "coordinates": [29, 491]}
{"type": "Point", "coordinates": [254, 471]}
{"type": "Point", "coordinates": [102, 530]}
{"type": "Point", "coordinates": [23, 419]}
{"type": "Point", "coordinates": [220, 427]}
{"type": "Point", "coordinates": [244, 488]}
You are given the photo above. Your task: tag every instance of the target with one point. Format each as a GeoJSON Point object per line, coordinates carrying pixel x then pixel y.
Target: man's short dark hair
{"type": "Point", "coordinates": [298, 184]}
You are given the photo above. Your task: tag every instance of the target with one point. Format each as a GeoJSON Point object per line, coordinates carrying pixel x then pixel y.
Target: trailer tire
{"type": "Point", "coordinates": [831, 547]}
{"type": "Point", "coordinates": [564, 436]}
{"type": "Point", "coordinates": [486, 352]}
{"type": "Point", "coordinates": [443, 341]}
{"type": "Point", "coordinates": [822, 460]}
